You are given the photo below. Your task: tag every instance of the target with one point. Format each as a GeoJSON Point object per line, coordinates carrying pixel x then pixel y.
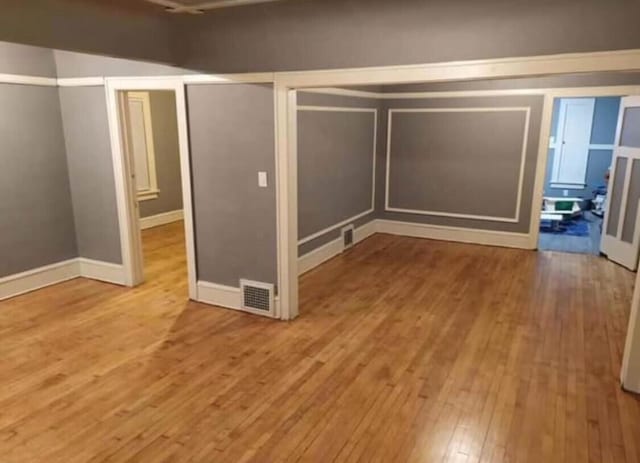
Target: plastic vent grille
{"type": "Point", "coordinates": [257, 296]}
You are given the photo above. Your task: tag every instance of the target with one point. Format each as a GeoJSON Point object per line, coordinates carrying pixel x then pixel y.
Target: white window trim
{"type": "Point", "coordinates": [153, 191]}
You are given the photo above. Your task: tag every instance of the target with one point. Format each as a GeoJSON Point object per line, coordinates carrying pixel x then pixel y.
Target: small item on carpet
{"type": "Point", "coordinates": [576, 227]}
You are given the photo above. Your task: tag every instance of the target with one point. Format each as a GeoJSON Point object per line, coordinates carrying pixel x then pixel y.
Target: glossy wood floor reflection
{"type": "Point", "coordinates": [406, 350]}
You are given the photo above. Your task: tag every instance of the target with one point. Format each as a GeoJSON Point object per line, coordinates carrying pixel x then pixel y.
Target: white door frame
{"type": "Point", "coordinates": [126, 196]}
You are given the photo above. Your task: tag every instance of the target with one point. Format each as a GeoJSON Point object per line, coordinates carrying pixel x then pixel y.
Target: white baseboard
{"type": "Point", "coordinates": [102, 271]}
{"type": "Point", "coordinates": [161, 219]}
{"type": "Point", "coordinates": [24, 282]}
{"type": "Point", "coordinates": [331, 249]}
{"type": "Point", "coordinates": [460, 235]}
{"type": "Point", "coordinates": [227, 296]}
{"type": "Point", "coordinates": [221, 295]}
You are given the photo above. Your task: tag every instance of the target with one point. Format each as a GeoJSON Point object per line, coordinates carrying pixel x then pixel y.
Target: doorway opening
{"type": "Point", "coordinates": [149, 139]}
{"type": "Point", "coordinates": [150, 131]}
{"type": "Point", "coordinates": [581, 148]}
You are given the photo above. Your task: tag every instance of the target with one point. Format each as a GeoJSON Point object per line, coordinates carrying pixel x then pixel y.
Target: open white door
{"type": "Point", "coordinates": [621, 227]}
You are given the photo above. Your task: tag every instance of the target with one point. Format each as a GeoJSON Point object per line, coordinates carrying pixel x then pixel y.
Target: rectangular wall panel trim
{"type": "Point", "coordinates": [523, 154]}
{"type": "Point", "coordinates": [371, 209]}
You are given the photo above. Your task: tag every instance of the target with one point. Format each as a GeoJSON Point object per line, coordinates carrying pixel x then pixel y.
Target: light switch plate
{"type": "Point", "coordinates": [262, 179]}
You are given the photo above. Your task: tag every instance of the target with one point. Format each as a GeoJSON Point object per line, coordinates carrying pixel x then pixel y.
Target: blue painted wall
{"type": "Point", "coordinates": [605, 119]}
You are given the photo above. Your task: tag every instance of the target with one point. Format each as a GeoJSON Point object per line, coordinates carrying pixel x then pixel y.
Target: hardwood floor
{"type": "Point", "coordinates": [406, 350]}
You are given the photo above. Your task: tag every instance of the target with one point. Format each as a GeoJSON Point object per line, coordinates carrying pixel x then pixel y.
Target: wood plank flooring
{"type": "Point", "coordinates": [406, 350]}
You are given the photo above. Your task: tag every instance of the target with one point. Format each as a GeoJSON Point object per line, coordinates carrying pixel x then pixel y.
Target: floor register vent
{"type": "Point", "coordinates": [257, 296]}
{"type": "Point", "coordinates": [347, 236]}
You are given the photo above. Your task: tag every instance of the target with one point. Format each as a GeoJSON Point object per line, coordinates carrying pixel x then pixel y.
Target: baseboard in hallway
{"type": "Point", "coordinates": [161, 219]}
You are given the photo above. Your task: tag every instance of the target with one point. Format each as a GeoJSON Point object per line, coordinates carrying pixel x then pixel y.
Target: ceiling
{"type": "Point", "coordinates": [200, 6]}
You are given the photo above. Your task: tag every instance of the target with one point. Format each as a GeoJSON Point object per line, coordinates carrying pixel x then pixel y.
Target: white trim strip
{"type": "Point", "coordinates": [523, 155]}
{"type": "Point", "coordinates": [28, 80]}
{"type": "Point", "coordinates": [345, 109]}
{"type": "Point", "coordinates": [331, 249]}
{"type": "Point", "coordinates": [163, 218]}
{"type": "Point", "coordinates": [334, 226]}
{"type": "Point", "coordinates": [81, 82]}
{"type": "Point", "coordinates": [101, 271]}
{"type": "Point", "coordinates": [613, 90]}
{"type": "Point", "coordinates": [41, 277]}
{"type": "Point", "coordinates": [568, 63]}
{"type": "Point", "coordinates": [374, 111]}
{"type": "Point", "coordinates": [250, 78]}
{"type": "Point", "coordinates": [456, 234]}
{"type": "Point", "coordinates": [30, 280]}
{"type": "Point", "coordinates": [592, 147]}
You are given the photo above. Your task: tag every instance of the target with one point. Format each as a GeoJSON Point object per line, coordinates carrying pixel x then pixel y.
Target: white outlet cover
{"type": "Point", "coordinates": [262, 179]}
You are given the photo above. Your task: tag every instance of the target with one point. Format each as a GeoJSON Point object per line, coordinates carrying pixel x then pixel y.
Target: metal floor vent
{"type": "Point", "coordinates": [257, 296]}
{"type": "Point", "coordinates": [347, 236]}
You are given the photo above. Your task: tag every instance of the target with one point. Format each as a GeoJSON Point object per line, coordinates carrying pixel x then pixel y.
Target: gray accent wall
{"type": "Point", "coordinates": [37, 226]}
{"type": "Point", "coordinates": [232, 138]}
{"type": "Point", "coordinates": [167, 155]}
{"type": "Point", "coordinates": [461, 163]}
{"type": "Point", "coordinates": [335, 166]}
{"type": "Point", "coordinates": [86, 131]}
{"type": "Point", "coordinates": [454, 162]}
{"type": "Point", "coordinates": [312, 34]}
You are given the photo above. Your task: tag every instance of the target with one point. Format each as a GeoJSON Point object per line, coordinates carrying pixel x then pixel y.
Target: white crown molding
{"type": "Point", "coordinates": [81, 82]}
{"type": "Point", "coordinates": [253, 78]}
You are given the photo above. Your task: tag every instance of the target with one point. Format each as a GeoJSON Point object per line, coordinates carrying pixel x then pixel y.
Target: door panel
{"type": "Point", "coordinates": [574, 136]}
{"type": "Point", "coordinates": [621, 237]}
{"type": "Point", "coordinates": [615, 195]}
{"type": "Point", "coordinates": [633, 196]}
{"type": "Point", "coordinates": [630, 128]}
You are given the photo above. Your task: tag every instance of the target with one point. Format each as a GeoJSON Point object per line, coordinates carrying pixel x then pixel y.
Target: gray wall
{"type": "Point", "coordinates": [335, 166]}
{"type": "Point", "coordinates": [86, 131]}
{"type": "Point", "coordinates": [232, 134]}
{"type": "Point", "coordinates": [605, 121]}
{"type": "Point", "coordinates": [456, 162]}
{"type": "Point", "coordinates": [167, 155]}
{"type": "Point", "coordinates": [72, 64]}
{"type": "Point", "coordinates": [37, 226]}
{"type": "Point", "coordinates": [311, 34]}
{"type": "Point", "coordinates": [118, 27]}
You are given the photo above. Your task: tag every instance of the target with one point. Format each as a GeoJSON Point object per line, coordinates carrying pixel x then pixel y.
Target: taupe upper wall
{"type": "Point", "coordinates": [107, 29]}
{"type": "Point", "coordinates": [312, 34]}
{"type": "Point", "coordinates": [26, 60]}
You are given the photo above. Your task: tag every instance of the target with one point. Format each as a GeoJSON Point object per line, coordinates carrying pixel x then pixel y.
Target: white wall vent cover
{"type": "Point", "coordinates": [347, 236]}
{"type": "Point", "coordinates": [257, 297]}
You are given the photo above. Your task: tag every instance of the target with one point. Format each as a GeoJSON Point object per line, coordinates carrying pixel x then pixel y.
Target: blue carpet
{"type": "Point", "coordinates": [575, 227]}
